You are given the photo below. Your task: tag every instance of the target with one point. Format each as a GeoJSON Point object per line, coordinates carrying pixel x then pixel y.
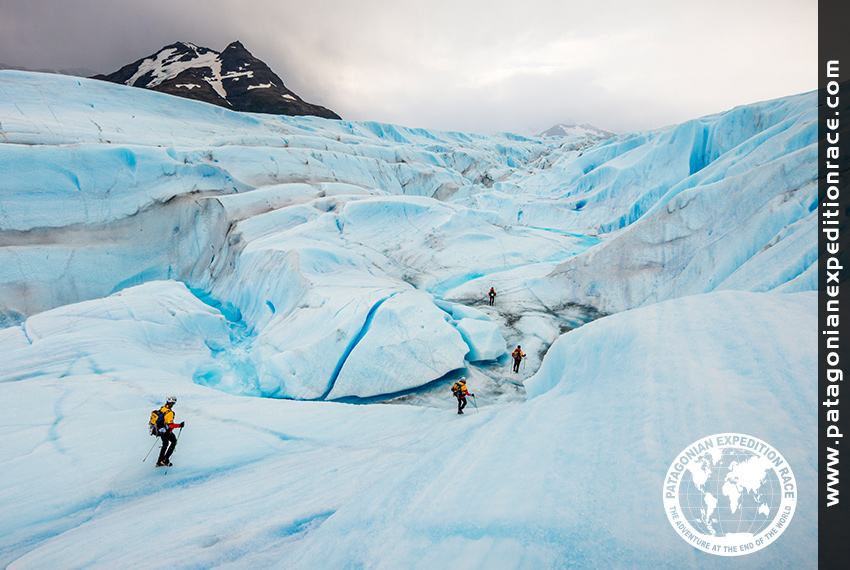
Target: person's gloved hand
{"type": "Point", "coordinates": [182, 424]}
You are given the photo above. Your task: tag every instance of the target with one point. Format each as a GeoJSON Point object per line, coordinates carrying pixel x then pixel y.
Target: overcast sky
{"type": "Point", "coordinates": [472, 65]}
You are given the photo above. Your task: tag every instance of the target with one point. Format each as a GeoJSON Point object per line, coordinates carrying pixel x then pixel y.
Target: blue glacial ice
{"type": "Point", "coordinates": [270, 271]}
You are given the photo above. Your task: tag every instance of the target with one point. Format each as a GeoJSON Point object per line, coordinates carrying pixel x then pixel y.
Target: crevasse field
{"type": "Point", "coordinates": [310, 289]}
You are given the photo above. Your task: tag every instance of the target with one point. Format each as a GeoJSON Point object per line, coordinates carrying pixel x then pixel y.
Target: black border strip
{"type": "Point", "coordinates": [833, 286]}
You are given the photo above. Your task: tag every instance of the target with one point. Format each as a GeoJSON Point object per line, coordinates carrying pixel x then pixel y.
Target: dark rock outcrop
{"type": "Point", "coordinates": [233, 79]}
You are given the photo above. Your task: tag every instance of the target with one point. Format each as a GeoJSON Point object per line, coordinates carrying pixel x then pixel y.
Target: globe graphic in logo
{"type": "Point", "coordinates": [730, 491]}
{"type": "Point", "coordinates": [729, 494]}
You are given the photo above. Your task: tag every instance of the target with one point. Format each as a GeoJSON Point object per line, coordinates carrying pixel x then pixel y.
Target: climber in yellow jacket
{"type": "Point", "coordinates": [164, 426]}
{"type": "Point", "coordinates": [460, 392]}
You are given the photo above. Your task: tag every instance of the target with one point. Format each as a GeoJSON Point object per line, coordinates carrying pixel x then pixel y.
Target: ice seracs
{"type": "Point", "coordinates": [250, 263]}
{"type": "Point", "coordinates": [388, 210]}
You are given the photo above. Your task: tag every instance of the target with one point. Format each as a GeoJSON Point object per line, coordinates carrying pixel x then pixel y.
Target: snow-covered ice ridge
{"type": "Point", "coordinates": [152, 245]}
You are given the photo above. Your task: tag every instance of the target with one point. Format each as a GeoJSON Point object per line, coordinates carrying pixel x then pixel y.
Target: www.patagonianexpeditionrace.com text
{"type": "Point", "coordinates": [830, 218]}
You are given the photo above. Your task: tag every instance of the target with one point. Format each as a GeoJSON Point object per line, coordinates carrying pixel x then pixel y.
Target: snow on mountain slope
{"type": "Point", "coordinates": [583, 130]}
{"type": "Point", "coordinates": [171, 62]}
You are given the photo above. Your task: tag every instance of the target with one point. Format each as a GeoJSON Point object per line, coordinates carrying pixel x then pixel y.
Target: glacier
{"type": "Point", "coordinates": [289, 277]}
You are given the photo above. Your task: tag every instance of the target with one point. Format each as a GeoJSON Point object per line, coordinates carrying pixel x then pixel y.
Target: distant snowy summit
{"type": "Point", "coordinates": [577, 131]}
{"type": "Point", "coordinates": [233, 79]}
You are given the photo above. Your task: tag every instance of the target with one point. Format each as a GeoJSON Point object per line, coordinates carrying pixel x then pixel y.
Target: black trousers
{"type": "Point", "coordinates": [516, 364]}
{"type": "Point", "coordinates": [461, 404]}
{"type": "Point", "coordinates": [492, 298]}
{"type": "Point", "coordinates": [168, 443]}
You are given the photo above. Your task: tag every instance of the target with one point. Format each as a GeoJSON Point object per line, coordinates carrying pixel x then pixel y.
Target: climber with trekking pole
{"type": "Point", "coordinates": [517, 355]}
{"type": "Point", "coordinates": [162, 425]}
{"type": "Point", "coordinates": [460, 392]}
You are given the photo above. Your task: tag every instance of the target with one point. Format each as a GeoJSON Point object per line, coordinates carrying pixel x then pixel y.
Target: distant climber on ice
{"type": "Point", "coordinates": [460, 392]}
{"type": "Point", "coordinates": [518, 356]}
{"type": "Point", "coordinates": [492, 294]}
{"type": "Point", "coordinates": [164, 425]}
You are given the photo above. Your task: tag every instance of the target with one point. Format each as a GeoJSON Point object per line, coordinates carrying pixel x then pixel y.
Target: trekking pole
{"type": "Point", "coordinates": [474, 403]}
{"type": "Point", "coordinates": [151, 449]}
{"type": "Point", "coordinates": [173, 448]}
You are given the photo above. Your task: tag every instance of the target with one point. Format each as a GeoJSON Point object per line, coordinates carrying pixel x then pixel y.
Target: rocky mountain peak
{"type": "Point", "coordinates": [233, 79]}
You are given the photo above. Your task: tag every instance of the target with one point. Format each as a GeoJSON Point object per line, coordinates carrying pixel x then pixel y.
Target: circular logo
{"type": "Point", "coordinates": [730, 494]}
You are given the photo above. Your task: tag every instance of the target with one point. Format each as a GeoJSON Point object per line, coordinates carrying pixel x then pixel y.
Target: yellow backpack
{"type": "Point", "coordinates": [157, 421]}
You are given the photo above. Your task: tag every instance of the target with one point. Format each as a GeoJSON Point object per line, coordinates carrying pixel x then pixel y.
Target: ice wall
{"type": "Point", "coordinates": [297, 228]}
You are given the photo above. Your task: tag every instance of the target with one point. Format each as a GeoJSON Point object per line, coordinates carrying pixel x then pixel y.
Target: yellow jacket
{"type": "Point", "coordinates": [168, 417]}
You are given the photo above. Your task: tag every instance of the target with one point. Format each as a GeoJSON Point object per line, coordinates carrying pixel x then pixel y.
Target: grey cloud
{"type": "Point", "coordinates": [459, 64]}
